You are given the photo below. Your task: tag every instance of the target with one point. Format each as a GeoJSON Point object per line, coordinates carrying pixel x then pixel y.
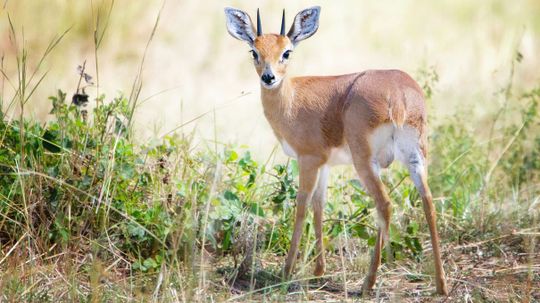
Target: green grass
{"type": "Point", "coordinates": [89, 213]}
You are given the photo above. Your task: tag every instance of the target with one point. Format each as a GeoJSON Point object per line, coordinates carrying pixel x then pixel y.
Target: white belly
{"type": "Point", "coordinates": [340, 155]}
{"type": "Point", "coordinates": [288, 150]}
{"type": "Point", "coordinates": [386, 142]}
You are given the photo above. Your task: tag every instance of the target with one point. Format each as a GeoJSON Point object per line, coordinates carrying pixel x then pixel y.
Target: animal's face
{"type": "Point", "coordinates": [271, 52]}
{"type": "Point", "coordinates": [271, 55]}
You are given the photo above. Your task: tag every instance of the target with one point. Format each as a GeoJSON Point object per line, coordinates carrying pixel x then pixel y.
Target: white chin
{"type": "Point", "coordinates": [270, 86]}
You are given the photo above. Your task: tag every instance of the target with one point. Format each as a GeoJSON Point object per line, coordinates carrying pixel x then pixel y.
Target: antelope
{"type": "Point", "coordinates": [367, 119]}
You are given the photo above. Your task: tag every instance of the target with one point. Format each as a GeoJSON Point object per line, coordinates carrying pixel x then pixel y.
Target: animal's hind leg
{"type": "Point", "coordinates": [415, 162]}
{"type": "Point", "coordinates": [363, 163]}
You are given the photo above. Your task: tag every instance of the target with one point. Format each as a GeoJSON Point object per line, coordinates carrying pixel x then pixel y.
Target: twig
{"type": "Point", "coordinates": [13, 247]}
{"type": "Point", "coordinates": [514, 233]}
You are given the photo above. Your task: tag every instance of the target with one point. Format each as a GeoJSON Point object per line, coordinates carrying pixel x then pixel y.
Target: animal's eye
{"type": "Point", "coordinates": [286, 54]}
{"type": "Point", "coordinates": [254, 54]}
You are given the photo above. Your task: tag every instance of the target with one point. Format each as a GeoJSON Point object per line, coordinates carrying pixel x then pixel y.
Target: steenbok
{"type": "Point", "coordinates": [367, 119]}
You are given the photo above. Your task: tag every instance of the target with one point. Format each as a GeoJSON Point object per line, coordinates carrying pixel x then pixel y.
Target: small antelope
{"type": "Point", "coordinates": [367, 119]}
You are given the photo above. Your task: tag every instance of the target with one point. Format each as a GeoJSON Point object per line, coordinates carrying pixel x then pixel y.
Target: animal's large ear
{"type": "Point", "coordinates": [239, 25]}
{"type": "Point", "coordinates": [305, 24]}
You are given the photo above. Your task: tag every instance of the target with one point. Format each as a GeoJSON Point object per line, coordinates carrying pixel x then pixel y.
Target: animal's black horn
{"type": "Point", "coordinates": [282, 32]}
{"type": "Point", "coordinates": [259, 27]}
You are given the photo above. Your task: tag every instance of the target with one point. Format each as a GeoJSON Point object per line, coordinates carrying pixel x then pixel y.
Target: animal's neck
{"type": "Point", "coordinates": [279, 100]}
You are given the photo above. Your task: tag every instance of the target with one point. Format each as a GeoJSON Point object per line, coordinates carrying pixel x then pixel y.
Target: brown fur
{"type": "Point", "coordinates": [315, 114]}
{"type": "Point", "coordinates": [308, 111]}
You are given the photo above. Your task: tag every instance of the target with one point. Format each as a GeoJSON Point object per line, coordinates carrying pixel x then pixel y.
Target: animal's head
{"type": "Point", "coordinates": [271, 52]}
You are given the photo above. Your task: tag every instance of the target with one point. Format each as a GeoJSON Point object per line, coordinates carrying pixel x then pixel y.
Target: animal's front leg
{"type": "Point", "coordinates": [318, 200]}
{"type": "Point", "coordinates": [309, 167]}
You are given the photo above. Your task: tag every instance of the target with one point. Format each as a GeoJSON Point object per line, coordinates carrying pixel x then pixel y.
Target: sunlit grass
{"type": "Point", "coordinates": [470, 44]}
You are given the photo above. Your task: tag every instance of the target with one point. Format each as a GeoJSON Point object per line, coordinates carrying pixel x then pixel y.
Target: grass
{"type": "Point", "coordinates": [89, 213]}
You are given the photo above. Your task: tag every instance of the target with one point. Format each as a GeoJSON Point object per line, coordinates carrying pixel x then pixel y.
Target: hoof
{"type": "Point", "coordinates": [286, 273]}
{"type": "Point", "coordinates": [441, 288]}
{"type": "Point", "coordinates": [367, 286]}
{"type": "Point", "coordinates": [319, 271]}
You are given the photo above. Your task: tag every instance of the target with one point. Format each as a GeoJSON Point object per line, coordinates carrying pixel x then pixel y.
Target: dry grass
{"type": "Point", "coordinates": [195, 66]}
{"type": "Point", "coordinates": [505, 268]}
{"type": "Point", "coordinates": [502, 269]}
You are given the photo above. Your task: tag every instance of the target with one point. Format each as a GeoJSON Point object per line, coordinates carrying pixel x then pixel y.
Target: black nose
{"type": "Point", "coordinates": [268, 78]}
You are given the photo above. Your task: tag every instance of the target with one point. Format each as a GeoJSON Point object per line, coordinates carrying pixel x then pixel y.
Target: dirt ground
{"type": "Point", "coordinates": [502, 269]}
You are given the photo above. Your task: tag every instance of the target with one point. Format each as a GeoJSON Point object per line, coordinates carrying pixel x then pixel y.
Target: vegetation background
{"type": "Point", "coordinates": [172, 178]}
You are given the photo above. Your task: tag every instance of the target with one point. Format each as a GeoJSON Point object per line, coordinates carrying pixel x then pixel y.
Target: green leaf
{"type": "Point", "coordinates": [360, 230]}
{"type": "Point", "coordinates": [371, 241]}
{"type": "Point", "coordinates": [230, 196]}
{"type": "Point", "coordinates": [357, 186]}
{"type": "Point", "coordinates": [412, 229]}
{"type": "Point", "coordinates": [127, 171]}
{"type": "Point", "coordinates": [255, 209]}
{"type": "Point", "coordinates": [136, 231]}
{"type": "Point", "coordinates": [395, 235]}
{"type": "Point", "coordinates": [150, 263]}
{"type": "Point", "coordinates": [294, 168]}
{"type": "Point", "coordinates": [226, 243]}
{"type": "Point", "coordinates": [49, 141]}
{"type": "Point", "coordinates": [138, 266]}
{"type": "Point", "coordinates": [231, 155]}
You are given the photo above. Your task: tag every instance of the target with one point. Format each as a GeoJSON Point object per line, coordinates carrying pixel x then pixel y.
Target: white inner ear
{"type": "Point", "coordinates": [305, 25]}
{"type": "Point", "coordinates": [239, 25]}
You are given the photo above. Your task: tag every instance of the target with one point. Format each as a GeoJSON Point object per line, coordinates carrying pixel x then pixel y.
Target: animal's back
{"type": "Point", "coordinates": [388, 96]}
